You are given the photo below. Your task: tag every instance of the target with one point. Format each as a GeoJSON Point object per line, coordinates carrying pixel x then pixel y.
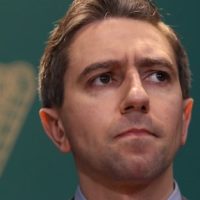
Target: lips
{"type": "Point", "coordinates": [136, 132]}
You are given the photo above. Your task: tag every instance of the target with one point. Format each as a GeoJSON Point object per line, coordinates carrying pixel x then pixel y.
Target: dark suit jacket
{"type": "Point", "coordinates": [183, 198]}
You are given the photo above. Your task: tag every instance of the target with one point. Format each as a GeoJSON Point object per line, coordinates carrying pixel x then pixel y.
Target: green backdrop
{"type": "Point", "coordinates": [31, 167]}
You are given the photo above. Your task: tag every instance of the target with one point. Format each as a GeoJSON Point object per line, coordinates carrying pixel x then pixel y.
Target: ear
{"type": "Point", "coordinates": [187, 112]}
{"type": "Point", "coordinates": [54, 128]}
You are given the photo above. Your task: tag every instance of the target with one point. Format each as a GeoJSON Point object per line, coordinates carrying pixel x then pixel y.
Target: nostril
{"type": "Point", "coordinates": [143, 109]}
{"type": "Point", "coordinates": [129, 108]}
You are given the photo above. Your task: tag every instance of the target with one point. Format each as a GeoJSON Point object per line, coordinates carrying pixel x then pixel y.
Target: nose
{"type": "Point", "coordinates": [135, 97]}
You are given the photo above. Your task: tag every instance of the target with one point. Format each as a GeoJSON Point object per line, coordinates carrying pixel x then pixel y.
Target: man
{"type": "Point", "coordinates": [114, 84]}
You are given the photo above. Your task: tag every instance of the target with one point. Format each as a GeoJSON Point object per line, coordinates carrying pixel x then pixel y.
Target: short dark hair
{"type": "Point", "coordinates": [82, 12]}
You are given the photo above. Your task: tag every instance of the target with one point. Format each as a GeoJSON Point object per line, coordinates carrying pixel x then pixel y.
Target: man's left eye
{"type": "Point", "coordinates": [159, 76]}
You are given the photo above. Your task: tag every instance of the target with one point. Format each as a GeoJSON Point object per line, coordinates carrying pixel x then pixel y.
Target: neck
{"type": "Point", "coordinates": [158, 188]}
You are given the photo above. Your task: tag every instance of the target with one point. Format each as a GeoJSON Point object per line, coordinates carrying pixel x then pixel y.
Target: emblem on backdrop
{"type": "Point", "coordinates": [17, 92]}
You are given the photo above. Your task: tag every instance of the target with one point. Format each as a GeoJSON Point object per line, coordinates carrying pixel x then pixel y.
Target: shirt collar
{"type": "Point", "coordinates": [176, 194]}
{"type": "Point", "coordinates": [79, 195]}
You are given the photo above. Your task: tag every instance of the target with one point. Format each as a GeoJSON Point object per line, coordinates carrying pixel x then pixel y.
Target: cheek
{"type": "Point", "coordinates": [92, 108]}
{"type": "Point", "coordinates": [169, 114]}
{"type": "Point", "coordinates": [85, 122]}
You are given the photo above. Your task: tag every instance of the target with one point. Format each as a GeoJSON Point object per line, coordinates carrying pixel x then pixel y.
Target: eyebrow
{"type": "Point", "coordinates": [143, 63]}
{"type": "Point", "coordinates": [149, 62]}
{"type": "Point", "coordinates": [98, 66]}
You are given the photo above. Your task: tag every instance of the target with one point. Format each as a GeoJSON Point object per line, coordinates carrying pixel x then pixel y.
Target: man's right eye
{"type": "Point", "coordinates": [103, 79]}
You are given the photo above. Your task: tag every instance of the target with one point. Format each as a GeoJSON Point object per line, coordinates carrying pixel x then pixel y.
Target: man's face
{"type": "Point", "coordinates": [123, 111]}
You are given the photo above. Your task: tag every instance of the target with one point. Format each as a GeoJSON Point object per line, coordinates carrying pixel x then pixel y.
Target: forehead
{"type": "Point", "coordinates": [118, 37]}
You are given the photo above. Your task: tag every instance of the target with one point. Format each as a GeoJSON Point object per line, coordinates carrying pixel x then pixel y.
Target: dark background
{"type": "Point", "coordinates": [36, 169]}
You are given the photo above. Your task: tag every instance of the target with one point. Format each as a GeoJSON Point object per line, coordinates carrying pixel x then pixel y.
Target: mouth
{"type": "Point", "coordinates": [136, 132]}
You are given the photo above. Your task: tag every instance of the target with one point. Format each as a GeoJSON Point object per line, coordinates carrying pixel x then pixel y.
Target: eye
{"type": "Point", "coordinates": [102, 79]}
{"type": "Point", "coordinates": [159, 76]}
